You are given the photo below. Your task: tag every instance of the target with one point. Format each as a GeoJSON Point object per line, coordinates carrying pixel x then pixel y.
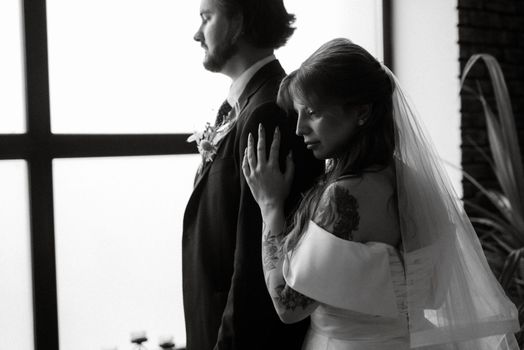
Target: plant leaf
{"type": "Point", "coordinates": [510, 266]}
{"type": "Point", "coordinates": [502, 226]}
{"type": "Point", "coordinates": [503, 140]}
{"type": "Point", "coordinates": [500, 239]}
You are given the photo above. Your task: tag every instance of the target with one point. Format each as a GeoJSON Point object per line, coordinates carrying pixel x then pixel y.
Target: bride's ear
{"type": "Point", "coordinates": [363, 113]}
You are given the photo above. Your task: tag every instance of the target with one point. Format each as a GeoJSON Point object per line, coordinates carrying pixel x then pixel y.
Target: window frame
{"type": "Point", "coordinates": [38, 146]}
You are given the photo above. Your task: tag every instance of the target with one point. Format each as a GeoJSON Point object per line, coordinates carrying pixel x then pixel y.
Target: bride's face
{"type": "Point", "coordinates": [327, 131]}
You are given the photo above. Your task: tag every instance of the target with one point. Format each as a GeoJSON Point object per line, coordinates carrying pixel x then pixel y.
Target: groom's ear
{"type": "Point", "coordinates": [237, 26]}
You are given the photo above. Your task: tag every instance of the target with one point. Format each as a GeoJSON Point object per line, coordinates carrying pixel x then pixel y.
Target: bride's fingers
{"type": "Point", "coordinates": [261, 145]}
{"type": "Point", "coordinates": [290, 168]}
{"type": "Point", "coordinates": [245, 166]}
{"type": "Point", "coordinates": [252, 162]}
{"type": "Point", "coordinates": [275, 147]}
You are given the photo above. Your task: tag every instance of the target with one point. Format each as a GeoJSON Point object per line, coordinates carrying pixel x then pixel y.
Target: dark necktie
{"type": "Point", "coordinates": [223, 111]}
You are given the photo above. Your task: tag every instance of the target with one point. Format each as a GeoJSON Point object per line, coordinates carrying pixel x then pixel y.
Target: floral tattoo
{"type": "Point", "coordinates": [271, 250]}
{"type": "Point", "coordinates": [338, 213]}
{"type": "Point", "coordinates": [292, 299]}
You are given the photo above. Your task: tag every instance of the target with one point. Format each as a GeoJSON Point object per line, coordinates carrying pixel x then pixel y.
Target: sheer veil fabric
{"type": "Point", "coordinates": [454, 301]}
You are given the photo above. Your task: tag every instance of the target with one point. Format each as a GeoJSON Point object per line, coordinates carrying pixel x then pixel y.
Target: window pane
{"type": "Point", "coordinates": [16, 315]}
{"type": "Point", "coordinates": [12, 107]}
{"type": "Point", "coordinates": [120, 66]}
{"type": "Point", "coordinates": [427, 50]}
{"type": "Point", "coordinates": [118, 246]}
{"type": "Point", "coordinates": [320, 21]}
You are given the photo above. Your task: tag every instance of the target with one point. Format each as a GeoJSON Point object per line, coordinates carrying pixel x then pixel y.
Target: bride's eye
{"type": "Point", "coordinates": [310, 111]}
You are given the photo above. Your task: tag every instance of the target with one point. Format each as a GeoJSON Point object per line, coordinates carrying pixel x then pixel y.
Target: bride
{"type": "Point", "coordinates": [379, 253]}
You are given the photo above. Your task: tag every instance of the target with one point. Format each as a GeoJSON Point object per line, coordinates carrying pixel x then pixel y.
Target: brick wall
{"type": "Point", "coordinates": [495, 27]}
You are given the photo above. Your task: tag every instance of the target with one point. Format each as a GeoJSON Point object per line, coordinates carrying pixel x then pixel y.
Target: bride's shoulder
{"type": "Point", "coordinates": [367, 185]}
{"type": "Point", "coordinates": [358, 207]}
{"type": "Point", "coordinates": [337, 210]}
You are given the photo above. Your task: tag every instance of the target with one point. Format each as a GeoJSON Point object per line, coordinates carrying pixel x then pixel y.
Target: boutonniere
{"type": "Point", "coordinates": [206, 141]}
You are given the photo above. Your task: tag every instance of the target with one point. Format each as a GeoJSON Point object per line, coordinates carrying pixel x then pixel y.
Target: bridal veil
{"type": "Point", "coordinates": [454, 301]}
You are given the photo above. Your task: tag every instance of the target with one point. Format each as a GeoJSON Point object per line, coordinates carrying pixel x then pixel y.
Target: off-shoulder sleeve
{"type": "Point", "coordinates": [344, 274]}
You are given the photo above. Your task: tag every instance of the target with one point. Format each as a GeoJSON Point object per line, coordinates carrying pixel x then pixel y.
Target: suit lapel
{"type": "Point", "coordinates": [271, 70]}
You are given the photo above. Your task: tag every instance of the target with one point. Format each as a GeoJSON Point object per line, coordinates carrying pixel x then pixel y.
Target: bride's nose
{"type": "Point", "coordinates": [302, 124]}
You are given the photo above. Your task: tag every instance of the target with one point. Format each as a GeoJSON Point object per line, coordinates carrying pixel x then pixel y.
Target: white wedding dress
{"type": "Point", "coordinates": [363, 303]}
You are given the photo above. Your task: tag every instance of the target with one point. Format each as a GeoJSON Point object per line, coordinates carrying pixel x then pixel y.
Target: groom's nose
{"type": "Point", "coordinates": [198, 35]}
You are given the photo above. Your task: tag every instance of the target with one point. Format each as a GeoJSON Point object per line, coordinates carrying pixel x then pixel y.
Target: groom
{"type": "Point", "coordinates": [227, 306]}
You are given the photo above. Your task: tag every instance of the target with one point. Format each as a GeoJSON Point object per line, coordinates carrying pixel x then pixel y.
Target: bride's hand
{"type": "Point", "coordinates": [269, 186]}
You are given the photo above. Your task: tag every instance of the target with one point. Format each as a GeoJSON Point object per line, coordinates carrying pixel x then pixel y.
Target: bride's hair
{"type": "Point", "coordinates": [344, 74]}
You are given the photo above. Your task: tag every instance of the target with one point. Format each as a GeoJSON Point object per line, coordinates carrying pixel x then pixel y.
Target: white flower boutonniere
{"type": "Point", "coordinates": [206, 141]}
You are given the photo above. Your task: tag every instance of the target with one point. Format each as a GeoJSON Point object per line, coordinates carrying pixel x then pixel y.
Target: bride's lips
{"type": "Point", "coordinates": [312, 144]}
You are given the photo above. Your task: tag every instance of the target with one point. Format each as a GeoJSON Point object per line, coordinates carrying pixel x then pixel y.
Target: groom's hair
{"type": "Point", "coordinates": [266, 23]}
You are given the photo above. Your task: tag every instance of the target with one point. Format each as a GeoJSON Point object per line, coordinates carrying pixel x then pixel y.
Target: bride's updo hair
{"type": "Point", "coordinates": [344, 74]}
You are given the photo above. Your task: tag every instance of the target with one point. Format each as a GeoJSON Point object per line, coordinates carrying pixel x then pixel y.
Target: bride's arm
{"type": "Point", "coordinates": [290, 305]}
{"type": "Point", "coordinates": [270, 188]}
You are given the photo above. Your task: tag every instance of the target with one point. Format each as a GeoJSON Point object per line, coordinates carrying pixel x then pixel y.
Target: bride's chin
{"type": "Point", "coordinates": [319, 155]}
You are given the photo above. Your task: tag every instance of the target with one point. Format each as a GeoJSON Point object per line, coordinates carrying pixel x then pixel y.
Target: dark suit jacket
{"type": "Point", "coordinates": [226, 302]}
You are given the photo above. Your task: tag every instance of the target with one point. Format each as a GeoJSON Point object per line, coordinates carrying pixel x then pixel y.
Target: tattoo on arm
{"type": "Point", "coordinates": [292, 299]}
{"type": "Point", "coordinates": [271, 251]}
{"type": "Point", "coordinates": [338, 213]}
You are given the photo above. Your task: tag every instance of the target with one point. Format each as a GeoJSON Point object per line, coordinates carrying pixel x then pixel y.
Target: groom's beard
{"type": "Point", "coordinates": [216, 60]}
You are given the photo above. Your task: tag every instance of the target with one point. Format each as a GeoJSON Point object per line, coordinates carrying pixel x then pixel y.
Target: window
{"type": "Point", "coordinates": [426, 61]}
{"type": "Point", "coordinates": [16, 318]}
{"type": "Point", "coordinates": [11, 69]}
{"type": "Point", "coordinates": [117, 231]}
{"type": "Point", "coordinates": [109, 107]}
{"type": "Point", "coordinates": [138, 70]}
{"type": "Point", "coordinates": [358, 20]}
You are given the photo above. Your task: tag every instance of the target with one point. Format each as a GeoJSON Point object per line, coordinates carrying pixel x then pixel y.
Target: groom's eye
{"type": "Point", "coordinates": [205, 17]}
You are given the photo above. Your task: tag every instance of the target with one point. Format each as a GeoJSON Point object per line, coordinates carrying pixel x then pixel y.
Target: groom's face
{"type": "Point", "coordinates": [217, 36]}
